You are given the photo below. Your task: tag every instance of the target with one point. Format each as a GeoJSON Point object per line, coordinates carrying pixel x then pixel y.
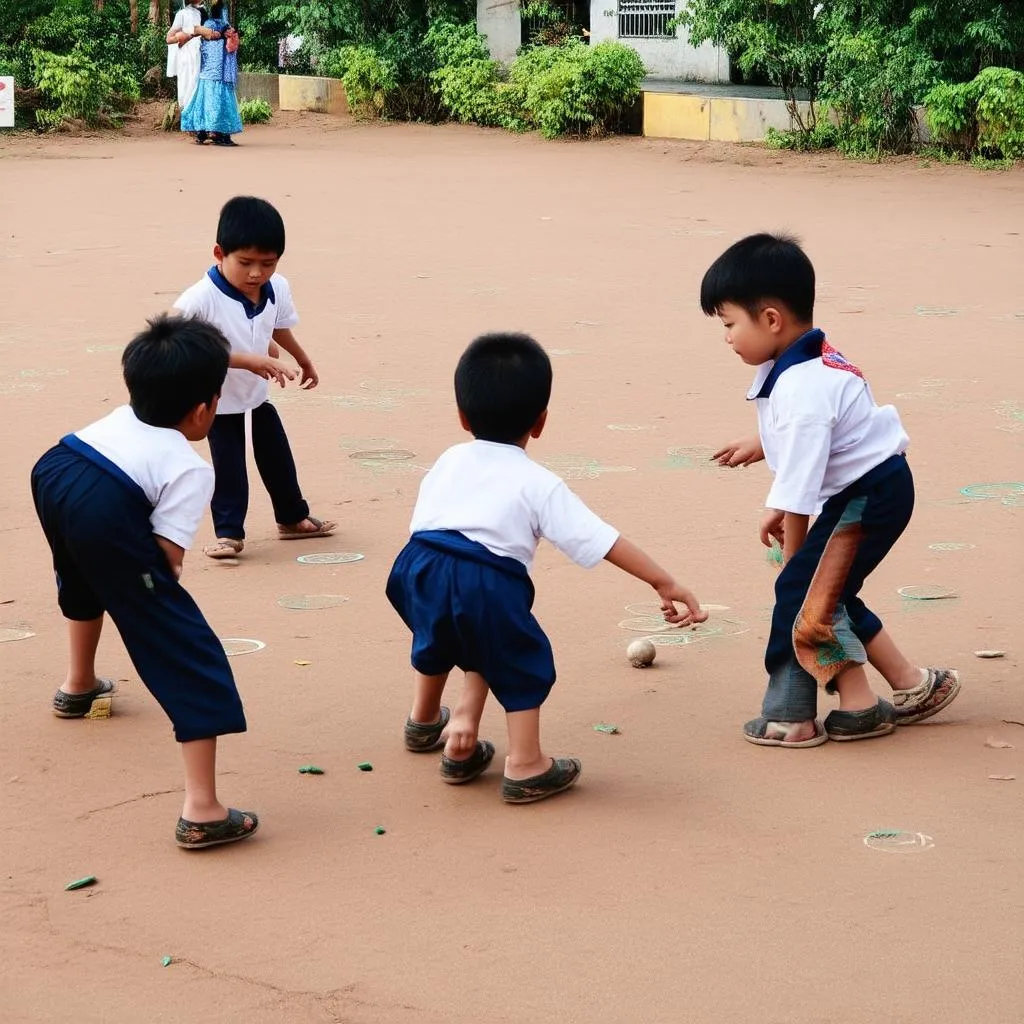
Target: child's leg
{"type": "Point", "coordinates": [276, 466]}
{"type": "Point", "coordinates": [426, 700]}
{"type": "Point", "coordinates": [525, 758]}
{"type": "Point", "coordinates": [464, 729]}
{"type": "Point", "coordinates": [892, 664]}
{"type": "Point", "coordinates": [231, 490]}
{"type": "Point", "coordinates": [83, 641]}
{"type": "Point", "coordinates": [201, 803]}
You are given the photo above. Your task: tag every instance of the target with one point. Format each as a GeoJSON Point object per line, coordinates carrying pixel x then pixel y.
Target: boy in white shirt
{"type": "Point", "coordinates": [251, 304]}
{"type": "Point", "coordinates": [836, 455]}
{"type": "Point", "coordinates": [462, 583]}
{"type": "Point", "coordinates": [120, 502]}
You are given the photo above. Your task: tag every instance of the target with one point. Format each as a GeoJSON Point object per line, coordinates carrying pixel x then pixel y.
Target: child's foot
{"type": "Point", "coordinates": [226, 547]}
{"type": "Point", "coordinates": [563, 773]}
{"type": "Point", "coordinates": [456, 772]}
{"type": "Point", "coordinates": [306, 530]}
{"type": "Point", "coordinates": [78, 705]}
{"type": "Point", "coordinates": [421, 737]}
{"type": "Point", "coordinates": [861, 725]}
{"type": "Point", "coordinates": [197, 835]}
{"type": "Point", "coordinates": [938, 689]}
{"type": "Point", "coordinates": [767, 733]}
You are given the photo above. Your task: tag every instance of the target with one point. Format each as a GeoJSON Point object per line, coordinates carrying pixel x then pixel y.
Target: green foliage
{"type": "Point", "coordinates": [79, 89]}
{"type": "Point", "coordinates": [575, 88]}
{"type": "Point", "coordinates": [824, 135]}
{"type": "Point", "coordinates": [255, 111]}
{"type": "Point", "coordinates": [981, 118]}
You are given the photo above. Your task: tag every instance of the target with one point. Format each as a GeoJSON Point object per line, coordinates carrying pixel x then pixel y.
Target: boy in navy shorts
{"type": "Point", "coordinates": [836, 455]}
{"type": "Point", "coordinates": [120, 502]}
{"type": "Point", "coordinates": [251, 304]}
{"type": "Point", "coordinates": [462, 583]}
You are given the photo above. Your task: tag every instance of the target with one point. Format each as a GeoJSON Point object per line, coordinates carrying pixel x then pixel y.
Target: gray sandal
{"type": "Point", "coordinates": [861, 725]}
{"type": "Point", "coordinates": [198, 835]}
{"type": "Point", "coordinates": [563, 773]}
{"type": "Point", "coordinates": [457, 772]}
{"type": "Point", "coordinates": [421, 738]}
{"type": "Point", "coordinates": [767, 733]}
{"type": "Point", "coordinates": [78, 705]}
{"type": "Point", "coordinates": [939, 689]}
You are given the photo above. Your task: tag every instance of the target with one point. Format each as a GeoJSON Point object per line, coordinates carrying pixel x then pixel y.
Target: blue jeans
{"type": "Point", "coordinates": [820, 625]}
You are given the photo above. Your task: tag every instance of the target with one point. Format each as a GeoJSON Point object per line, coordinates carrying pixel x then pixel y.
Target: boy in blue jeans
{"type": "Point", "coordinates": [120, 502]}
{"type": "Point", "coordinates": [462, 583]}
{"type": "Point", "coordinates": [836, 455]}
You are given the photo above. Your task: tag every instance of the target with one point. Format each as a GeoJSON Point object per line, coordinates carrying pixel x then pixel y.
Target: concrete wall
{"type": "Point", "coordinates": [302, 92]}
{"type": "Point", "coordinates": [498, 20]}
{"type": "Point", "coordinates": [665, 58]}
{"type": "Point", "coordinates": [712, 119]}
{"type": "Point", "coordinates": [258, 87]}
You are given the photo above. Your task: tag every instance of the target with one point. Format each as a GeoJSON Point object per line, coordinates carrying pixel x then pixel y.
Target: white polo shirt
{"type": "Point", "coordinates": [248, 326]}
{"type": "Point", "coordinates": [820, 427]}
{"type": "Point", "coordinates": [496, 495]}
{"type": "Point", "coordinates": [177, 481]}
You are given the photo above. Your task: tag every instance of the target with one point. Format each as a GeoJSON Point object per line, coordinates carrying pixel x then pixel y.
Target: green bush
{"type": "Point", "coordinates": [79, 89]}
{"type": "Point", "coordinates": [575, 88]}
{"type": "Point", "coordinates": [256, 111]}
{"type": "Point", "coordinates": [983, 117]}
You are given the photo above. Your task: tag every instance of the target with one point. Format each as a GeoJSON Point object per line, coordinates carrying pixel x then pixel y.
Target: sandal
{"type": "Point", "coordinates": [226, 547]}
{"type": "Point", "coordinates": [197, 835]}
{"type": "Point", "coordinates": [767, 733]}
{"type": "Point", "coordinates": [420, 738]}
{"type": "Point", "coordinates": [457, 772]}
{"type": "Point", "coordinates": [78, 705]}
{"type": "Point", "coordinates": [322, 530]}
{"type": "Point", "coordinates": [563, 773]}
{"type": "Point", "coordinates": [861, 725]}
{"type": "Point", "coordinates": [939, 688]}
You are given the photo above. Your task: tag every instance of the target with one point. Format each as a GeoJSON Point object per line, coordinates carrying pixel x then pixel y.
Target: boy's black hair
{"type": "Point", "coordinates": [171, 367]}
{"type": "Point", "coordinates": [250, 223]}
{"type": "Point", "coordinates": [757, 270]}
{"type": "Point", "coordinates": [502, 385]}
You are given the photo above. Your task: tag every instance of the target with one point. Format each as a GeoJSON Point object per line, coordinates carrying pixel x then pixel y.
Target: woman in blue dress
{"type": "Point", "coordinates": [213, 109]}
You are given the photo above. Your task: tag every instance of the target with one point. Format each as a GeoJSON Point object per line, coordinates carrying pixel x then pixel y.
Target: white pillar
{"type": "Point", "coordinates": [498, 20]}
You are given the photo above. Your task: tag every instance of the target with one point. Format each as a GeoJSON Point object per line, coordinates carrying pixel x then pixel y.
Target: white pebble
{"type": "Point", "coordinates": [641, 653]}
{"type": "Point", "coordinates": [990, 654]}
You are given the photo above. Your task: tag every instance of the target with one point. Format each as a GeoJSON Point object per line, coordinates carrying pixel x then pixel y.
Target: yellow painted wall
{"type": "Point", "coordinates": [674, 116]}
{"type": "Point", "coordinates": [323, 95]}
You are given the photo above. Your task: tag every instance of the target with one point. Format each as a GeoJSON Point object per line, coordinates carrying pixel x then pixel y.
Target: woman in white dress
{"type": "Point", "coordinates": [183, 50]}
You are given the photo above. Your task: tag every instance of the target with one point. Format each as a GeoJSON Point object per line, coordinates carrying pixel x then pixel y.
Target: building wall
{"type": "Point", "coordinates": [665, 58]}
{"type": "Point", "coordinates": [498, 20]}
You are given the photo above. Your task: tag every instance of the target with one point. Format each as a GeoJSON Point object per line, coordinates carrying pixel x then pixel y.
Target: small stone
{"type": "Point", "coordinates": [166, 961]}
{"type": "Point", "coordinates": [100, 708]}
{"type": "Point", "coordinates": [1002, 778]}
{"type": "Point", "coordinates": [611, 730]}
{"type": "Point", "coordinates": [310, 769]}
{"type": "Point", "coordinates": [380, 830]}
{"type": "Point", "coordinates": [303, 664]}
{"type": "Point", "coordinates": [990, 654]}
{"type": "Point", "coordinates": [80, 883]}
{"type": "Point", "coordinates": [641, 653]}
{"type": "Point", "coordinates": [365, 766]}
{"type": "Point", "coordinates": [998, 744]}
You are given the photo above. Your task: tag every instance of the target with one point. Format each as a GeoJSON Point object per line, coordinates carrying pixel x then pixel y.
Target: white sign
{"type": "Point", "coordinates": [6, 102]}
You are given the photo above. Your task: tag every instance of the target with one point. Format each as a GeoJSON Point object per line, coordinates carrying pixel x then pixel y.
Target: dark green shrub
{"type": "Point", "coordinates": [982, 117]}
{"type": "Point", "coordinates": [255, 111]}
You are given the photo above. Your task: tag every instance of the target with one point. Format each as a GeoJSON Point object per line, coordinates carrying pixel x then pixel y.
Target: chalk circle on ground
{"type": "Point", "coordinates": [898, 841]}
{"type": "Point", "coordinates": [927, 592]}
{"type": "Point", "coordinates": [330, 558]}
{"type": "Point", "coordinates": [653, 608]}
{"type": "Point", "coordinates": [8, 636]}
{"type": "Point", "coordinates": [1007, 493]}
{"type": "Point", "coordinates": [311, 602]}
{"type": "Point", "coordinates": [383, 455]}
{"type": "Point", "coordinates": [631, 426]}
{"type": "Point", "coordinates": [950, 546]}
{"type": "Point", "coordinates": [235, 646]}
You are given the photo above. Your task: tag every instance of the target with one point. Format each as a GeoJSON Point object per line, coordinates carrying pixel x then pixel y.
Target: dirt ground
{"type": "Point", "coordinates": [691, 877]}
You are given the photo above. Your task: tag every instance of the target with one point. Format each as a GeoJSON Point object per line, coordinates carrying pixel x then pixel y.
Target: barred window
{"type": "Point", "coordinates": [646, 19]}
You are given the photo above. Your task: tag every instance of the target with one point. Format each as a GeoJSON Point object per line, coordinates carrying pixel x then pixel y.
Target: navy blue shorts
{"type": "Point", "coordinates": [106, 559]}
{"type": "Point", "coordinates": [471, 609]}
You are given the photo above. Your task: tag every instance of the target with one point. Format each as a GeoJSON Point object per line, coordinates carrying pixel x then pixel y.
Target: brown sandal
{"type": "Point", "coordinates": [291, 533]}
{"type": "Point", "coordinates": [226, 547]}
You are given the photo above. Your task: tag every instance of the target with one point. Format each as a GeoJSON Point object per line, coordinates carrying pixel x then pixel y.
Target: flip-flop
{"type": "Point", "coordinates": [768, 733]}
{"type": "Point", "coordinates": [197, 835]}
{"type": "Point", "coordinates": [226, 547]}
{"type": "Point", "coordinates": [420, 738]}
{"type": "Point", "coordinates": [457, 772]}
{"type": "Point", "coordinates": [78, 705]}
{"type": "Point", "coordinates": [563, 773]}
{"type": "Point", "coordinates": [322, 530]}
{"type": "Point", "coordinates": [939, 689]}
{"type": "Point", "coordinates": [861, 725]}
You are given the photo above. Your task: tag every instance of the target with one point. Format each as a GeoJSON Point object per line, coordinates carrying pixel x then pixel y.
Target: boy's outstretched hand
{"type": "Point", "coordinates": [269, 369]}
{"type": "Point", "coordinates": [739, 453]}
{"type": "Point", "coordinates": [672, 592]}
{"type": "Point", "coordinates": [310, 378]}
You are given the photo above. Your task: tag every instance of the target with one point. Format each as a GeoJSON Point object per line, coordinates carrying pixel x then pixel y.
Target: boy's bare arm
{"type": "Point", "coordinates": [794, 533]}
{"type": "Point", "coordinates": [284, 337]}
{"type": "Point", "coordinates": [262, 366]}
{"type": "Point", "coordinates": [175, 555]}
{"type": "Point", "coordinates": [744, 452]}
{"type": "Point", "coordinates": [625, 555]}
